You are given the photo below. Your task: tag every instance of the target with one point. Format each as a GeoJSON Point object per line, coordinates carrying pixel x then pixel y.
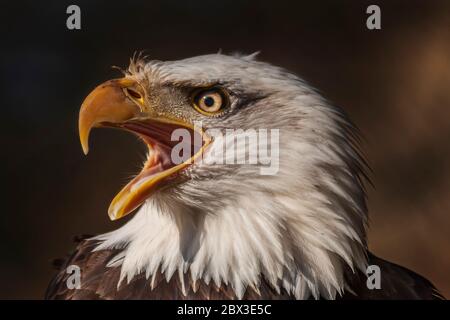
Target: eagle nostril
{"type": "Point", "coordinates": [133, 93]}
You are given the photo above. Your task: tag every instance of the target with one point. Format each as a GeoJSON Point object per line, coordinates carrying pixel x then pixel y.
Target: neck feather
{"type": "Point", "coordinates": [304, 251]}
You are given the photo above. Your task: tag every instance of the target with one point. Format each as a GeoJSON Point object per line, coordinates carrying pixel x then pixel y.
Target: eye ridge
{"type": "Point", "coordinates": [210, 101]}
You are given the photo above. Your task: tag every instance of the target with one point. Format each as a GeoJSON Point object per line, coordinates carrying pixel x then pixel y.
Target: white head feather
{"type": "Point", "coordinates": [299, 230]}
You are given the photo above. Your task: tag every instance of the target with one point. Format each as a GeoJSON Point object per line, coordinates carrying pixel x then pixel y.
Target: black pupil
{"type": "Point", "coordinates": [209, 101]}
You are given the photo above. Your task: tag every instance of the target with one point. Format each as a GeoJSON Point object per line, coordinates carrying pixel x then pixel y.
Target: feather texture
{"type": "Point", "coordinates": [99, 282]}
{"type": "Point", "coordinates": [227, 231]}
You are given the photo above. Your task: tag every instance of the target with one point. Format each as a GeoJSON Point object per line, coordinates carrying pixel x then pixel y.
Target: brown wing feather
{"type": "Point", "coordinates": [100, 282]}
{"type": "Point", "coordinates": [397, 283]}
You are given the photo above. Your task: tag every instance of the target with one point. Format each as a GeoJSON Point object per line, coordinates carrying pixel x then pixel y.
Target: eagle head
{"type": "Point", "coordinates": [251, 176]}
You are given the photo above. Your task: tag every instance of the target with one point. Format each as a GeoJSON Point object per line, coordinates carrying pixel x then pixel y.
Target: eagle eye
{"type": "Point", "coordinates": [210, 101]}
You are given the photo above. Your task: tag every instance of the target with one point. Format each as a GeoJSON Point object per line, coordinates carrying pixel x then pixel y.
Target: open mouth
{"type": "Point", "coordinates": [161, 166]}
{"type": "Point", "coordinates": [109, 105]}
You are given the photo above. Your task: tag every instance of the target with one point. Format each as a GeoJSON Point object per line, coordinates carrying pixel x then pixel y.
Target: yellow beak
{"type": "Point", "coordinates": [108, 103]}
{"type": "Point", "coordinates": [120, 103]}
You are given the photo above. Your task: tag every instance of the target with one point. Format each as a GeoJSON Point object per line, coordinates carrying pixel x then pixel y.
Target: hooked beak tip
{"type": "Point", "coordinates": [85, 149]}
{"type": "Point", "coordinates": [106, 103]}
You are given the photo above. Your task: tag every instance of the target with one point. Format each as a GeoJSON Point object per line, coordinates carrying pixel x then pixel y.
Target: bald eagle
{"type": "Point", "coordinates": [205, 228]}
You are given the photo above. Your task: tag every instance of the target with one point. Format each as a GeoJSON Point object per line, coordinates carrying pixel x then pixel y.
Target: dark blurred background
{"type": "Point", "coordinates": [394, 83]}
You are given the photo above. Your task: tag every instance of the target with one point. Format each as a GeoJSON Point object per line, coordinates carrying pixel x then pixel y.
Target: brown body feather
{"type": "Point", "coordinates": [100, 282]}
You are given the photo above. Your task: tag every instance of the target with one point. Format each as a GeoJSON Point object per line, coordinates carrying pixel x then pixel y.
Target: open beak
{"type": "Point", "coordinates": [120, 103]}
